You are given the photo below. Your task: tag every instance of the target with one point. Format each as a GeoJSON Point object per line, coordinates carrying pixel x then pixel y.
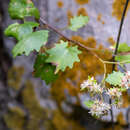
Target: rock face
{"type": "Point", "coordinates": [25, 97]}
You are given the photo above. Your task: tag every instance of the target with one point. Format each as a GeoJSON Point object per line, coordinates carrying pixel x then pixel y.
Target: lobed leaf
{"type": "Point", "coordinates": [20, 30]}
{"type": "Point", "coordinates": [78, 22]}
{"type": "Point", "coordinates": [122, 58]}
{"type": "Point", "coordinates": [63, 56]}
{"type": "Point", "coordinates": [123, 48]}
{"type": "Point", "coordinates": [18, 9]}
{"type": "Point", "coordinates": [115, 78]}
{"type": "Point", "coordinates": [44, 70]}
{"type": "Point", "coordinates": [30, 42]}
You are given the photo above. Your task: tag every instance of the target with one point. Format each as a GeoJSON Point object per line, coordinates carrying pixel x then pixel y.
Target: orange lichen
{"type": "Point", "coordinates": [103, 22]}
{"type": "Point", "coordinates": [71, 79]}
{"type": "Point", "coordinates": [118, 7]}
{"type": "Point", "coordinates": [99, 18]}
{"type": "Point", "coordinates": [120, 119]}
{"type": "Point", "coordinates": [60, 4]}
{"type": "Point", "coordinates": [82, 11]}
{"type": "Point", "coordinates": [69, 15]}
{"type": "Point", "coordinates": [111, 41]}
{"type": "Point", "coordinates": [81, 2]}
{"type": "Point", "coordinates": [126, 100]}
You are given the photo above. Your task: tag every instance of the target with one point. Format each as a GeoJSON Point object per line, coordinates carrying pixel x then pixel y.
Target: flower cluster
{"type": "Point", "coordinates": [91, 85]}
{"type": "Point", "coordinates": [99, 108]}
{"type": "Point", "coordinates": [126, 80]}
{"type": "Point", "coordinates": [114, 93]}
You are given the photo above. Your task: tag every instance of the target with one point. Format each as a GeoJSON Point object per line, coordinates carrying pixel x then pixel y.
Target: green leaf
{"type": "Point", "coordinates": [89, 103]}
{"type": "Point", "coordinates": [20, 30]}
{"type": "Point", "coordinates": [26, 28]}
{"type": "Point", "coordinates": [18, 9]}
{"type": "Point", "coordinates": [123, 48]}
{"type": "Point", "coordinates": [122, 58]}
{"type": "Point", "coordinates": [30, 42]}
{"type": "Point", "coordinates": [78, 22]}
{"type": "Point", "coordinates": [44, 70]}
{"type": "Point", "coordinates": [63, 56]}
{"type": "Point", "coordinates": [115, 78]}
{"type": "Point", "coordinates": [11, 30]}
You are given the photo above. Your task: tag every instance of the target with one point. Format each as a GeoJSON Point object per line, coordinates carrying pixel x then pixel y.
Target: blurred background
{"type": "Point", "coordinates": [27, 103]}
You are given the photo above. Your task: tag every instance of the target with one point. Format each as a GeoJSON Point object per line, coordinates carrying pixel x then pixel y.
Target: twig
{"type": "Point", "coordinates": [70, 40]}
{"type": "Point", "coordinates": [117, 63]}
{"type": "Point", "coordinates": [92, 49]}
{"type": "Point", "coordinates": [119, 33]}
{"type": "Point", "coordinates": [116, 51]}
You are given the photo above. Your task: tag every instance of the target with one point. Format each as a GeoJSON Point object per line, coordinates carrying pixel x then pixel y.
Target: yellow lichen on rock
{"type": "Point", "coordinates": [15, 119]}
{"type": "Point", "coordinates": [118, 7]}
{"type": "Point", "coordinates": [69, 16]}
{"type": "Point", "coordinates": [126, 100]}
{"type": "Point", "coordinates": [120, 119]}
{"type": "Point", "coordinates": [99, 18]}
{"type": "Point", "coordinates": [111, 41]}
{"type": "Point", "coordinates": [15, 77]}
{"type": "Point", "coordinates": [60, 4]}
{"type": "Point", "coordinates": [65, 124]}
{"type": "Point", "coordinates": [31, 103]}
{"type": "Point", "coordinates": [82, 2]}
{"type": "Point", "coordinates": [82, 11]}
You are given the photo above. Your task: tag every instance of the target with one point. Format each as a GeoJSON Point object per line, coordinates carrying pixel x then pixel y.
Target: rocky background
{"type": "Point", "coordinates": [27, 103]}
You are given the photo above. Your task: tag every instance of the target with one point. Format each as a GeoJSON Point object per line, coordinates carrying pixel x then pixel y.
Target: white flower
{"type": "Point", "coordinates": [91, 85]}
{"type": "Point", "coordinates": [86, 83]}
{"type": "Point", "coordinates": [126, 80]}
{"type": "Point", "coordinates": [114, 92]}
{"type": "Point", "coordinates": [99, 108]}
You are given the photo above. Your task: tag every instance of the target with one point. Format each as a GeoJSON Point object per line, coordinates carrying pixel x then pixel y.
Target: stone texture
{"type": "Point", "coordinates": [58, 18]}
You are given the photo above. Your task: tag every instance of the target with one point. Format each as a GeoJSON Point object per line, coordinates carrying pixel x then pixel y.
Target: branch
{"type": "Point", "coordinates": [115, 53]}
{"type": "Point", "coordinates": [119, 33]}
{"type": "Point", "coordinates": [70, 40]}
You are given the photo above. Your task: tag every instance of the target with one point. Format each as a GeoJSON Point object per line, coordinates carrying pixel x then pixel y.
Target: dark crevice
{"type": "Point", "coordinates": [5, 64]}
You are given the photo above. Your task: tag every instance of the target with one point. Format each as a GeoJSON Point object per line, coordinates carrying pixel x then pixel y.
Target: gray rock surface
{"type": "Point", "coordinates": [101, 32]}
{"type": "Point", "coordinates": [50, 12]}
